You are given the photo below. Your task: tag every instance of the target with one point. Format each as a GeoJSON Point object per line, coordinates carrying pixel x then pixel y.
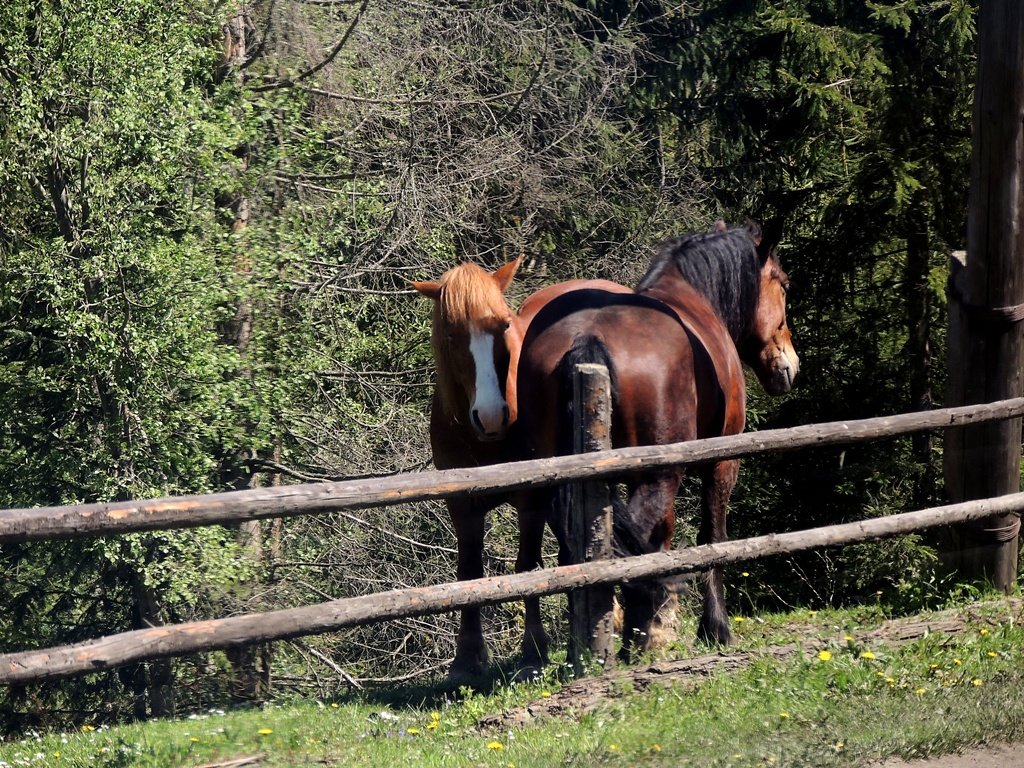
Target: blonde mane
{"type": "Point", "coordinates": [468, 292]}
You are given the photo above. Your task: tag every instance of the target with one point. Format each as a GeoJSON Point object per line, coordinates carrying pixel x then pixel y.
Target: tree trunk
{"type": "Point", "coordinates": [984, 461]}
{"type": "Point", "coordinates": [247, 684]}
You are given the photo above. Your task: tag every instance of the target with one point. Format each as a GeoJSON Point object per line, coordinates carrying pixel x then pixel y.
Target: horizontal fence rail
{"type": "Point", "coordinates": [162, 642]}
{"type": "Point", "coordinates": [76, 521]}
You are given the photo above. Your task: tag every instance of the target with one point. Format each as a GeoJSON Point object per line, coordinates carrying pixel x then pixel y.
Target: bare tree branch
{"type": "Point", "coordinates": [329, 58]}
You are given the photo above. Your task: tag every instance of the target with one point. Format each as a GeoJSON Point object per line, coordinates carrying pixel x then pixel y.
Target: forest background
{"type": "Point", "coordinates": [209, 212]}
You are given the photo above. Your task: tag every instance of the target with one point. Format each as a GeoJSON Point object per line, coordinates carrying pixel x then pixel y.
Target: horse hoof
{"type": "Point", "coordinates": [528, 673]}
{"type": "Point", "coordinates": [466, 672]}
{"type": "Point", "coordinates": [715, 635]}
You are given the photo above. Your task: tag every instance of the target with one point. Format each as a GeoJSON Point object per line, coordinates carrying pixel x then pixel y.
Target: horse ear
{"type": "Point", "coordinates": [720, 226]}
{"type": "Point", "coordinates": [756, 233]}
{"type": "Point", "coordinates": [429, 288]}
{"type": "Point", "coordinates": [506, 272]}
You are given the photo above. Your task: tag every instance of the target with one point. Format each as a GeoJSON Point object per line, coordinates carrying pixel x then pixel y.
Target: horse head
{"type": "Point", "coordinates": [768, 347]}
{"type": "Point", "coordinates": [471, 345]}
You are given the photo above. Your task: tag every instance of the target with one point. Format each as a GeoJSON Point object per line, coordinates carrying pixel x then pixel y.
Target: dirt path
{"type": "Point", "coordinates": [999, 756]}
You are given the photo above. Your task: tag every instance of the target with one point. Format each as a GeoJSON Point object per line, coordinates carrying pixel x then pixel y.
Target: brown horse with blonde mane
{"type": "Point", "coordinates": [476, 338]}
{"type": "Point", "coordinates": [673, 350]}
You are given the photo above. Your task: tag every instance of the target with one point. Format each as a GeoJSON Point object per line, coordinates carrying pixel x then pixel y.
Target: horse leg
{"type": "Point", "coordinates": [717, 482]}
{"type": "Point", "coordinates": [531, 510]}
{"type": "Point", "coordinates": [651, 612]}
{"type": "Point", "coordinates": [470, 649]}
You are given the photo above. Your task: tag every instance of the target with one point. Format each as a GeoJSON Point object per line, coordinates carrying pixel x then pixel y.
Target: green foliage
{"type": "Point", "coordinates": [115, 382]}
{"type": "Point", "coordinates": [845, 127]}
{"type": "Point", "coordinates": [206, 237]}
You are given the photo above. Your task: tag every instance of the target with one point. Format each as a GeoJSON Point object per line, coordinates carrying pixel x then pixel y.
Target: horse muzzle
{"type": "Point", "coordinates": [490, 424]}
{"type": "Point", "coordinates": [782, 372]}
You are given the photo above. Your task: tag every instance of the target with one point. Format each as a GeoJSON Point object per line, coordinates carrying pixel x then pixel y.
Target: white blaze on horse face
{"type": "Point", "coordinates": [488, 412]}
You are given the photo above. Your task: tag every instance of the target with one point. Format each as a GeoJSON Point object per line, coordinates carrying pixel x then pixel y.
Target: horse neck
{"type": "Point", "coordinates": [690, 303]}
{"type": "Point", "coordinates": [514, 340]}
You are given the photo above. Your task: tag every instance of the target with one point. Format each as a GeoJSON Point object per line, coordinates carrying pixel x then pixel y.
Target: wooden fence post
{"type": "Point", "coordinates": [590, 520]}
{"type": "Point", "coordinates": [987, 298]}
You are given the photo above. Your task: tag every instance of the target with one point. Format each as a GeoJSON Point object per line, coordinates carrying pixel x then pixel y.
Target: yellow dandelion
{"type": "Point", "coordinates": [495, 746]}
{"type": "Point", "coordinates": [992, 654]}
{"type": "Point", "coordinates": [840, 746]}
{"type": "Point", "coordinates": [983, 631]}
{"type": "Point", "coordinates": [56, 754]}
{"type": "Point", "coordinates": [848, 638]}
{"type": "Point", "coordinates": [867, 655]}
{"type": "Point", "coordinates": [433, 724]}
{"type": "Point", "coordinates": [920, 691]}
{"type": "Point", "coordinates": [334, 705]}
{"type": "Point", "coordinates": [413, 731]}
{"type": "Point", "coordinates": [825, 655]}
{"type": "Point", "coordinates": [783, 715]}
{"type": "Point", "coordinates": [738, 619]}
{"type": "Point", "coordinates": [958, 662]}
{"type": "Point", "coordinates": [744, 574]}
{"type": "Point", "coordinates": [194, 739]}
{"type": "Point", "coordinates": [265, 731]}
{"type": "Point", "coordinates": [88, 728]}
{"type": "Point", "coordinates": [933, 666]}
{"type": "Point", "coordinates": [613, 747]}
{"type": "Point", "coordinates": [435, 715]}
{"type": "Point", "coordinates": [655, 747]}
{"type": "Point", "coordinates": [812, 613]}
{"type": "Point", "coordinates": [890, 681]}
{"type": "Point", "coordinates": [545, 694]}
{"type": "Point", "coordinates": [976, 682]}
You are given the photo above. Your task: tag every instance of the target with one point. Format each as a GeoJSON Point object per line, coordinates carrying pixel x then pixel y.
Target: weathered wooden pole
{"type": "Point", "coordinates": [200, 636]}
{"type": "Point", "coordinates": [987, 299]}
{"type": "Point", "coordinates": [590, 520]}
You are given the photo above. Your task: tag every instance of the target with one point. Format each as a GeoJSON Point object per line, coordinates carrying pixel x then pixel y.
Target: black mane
{"type": "Point", "coordinates": [723, 266]}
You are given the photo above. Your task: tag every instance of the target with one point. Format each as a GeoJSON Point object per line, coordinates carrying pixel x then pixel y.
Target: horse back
{"type": "Point", "coordinates": [656, 365]}
{"type": "Point", "coordinates": [723, 371]}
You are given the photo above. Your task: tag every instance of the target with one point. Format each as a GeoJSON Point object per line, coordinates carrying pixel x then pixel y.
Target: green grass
{"type": "Point", "coordinates": [837, 702]}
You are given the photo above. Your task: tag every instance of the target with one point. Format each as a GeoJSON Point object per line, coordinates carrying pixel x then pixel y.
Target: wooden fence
{"type": "Point", "coordinates": [233, 507]}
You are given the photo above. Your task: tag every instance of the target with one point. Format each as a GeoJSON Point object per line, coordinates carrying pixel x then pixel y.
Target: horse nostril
{"type": "Point", "coordinates": [477, 423]}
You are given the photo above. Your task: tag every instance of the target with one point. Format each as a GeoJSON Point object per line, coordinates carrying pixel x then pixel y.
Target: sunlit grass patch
{"type": "Point", "coordinates": [837, 700]}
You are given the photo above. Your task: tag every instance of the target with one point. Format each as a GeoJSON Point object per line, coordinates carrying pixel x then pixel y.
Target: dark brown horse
{"type": "Point", "coordinates": [674, 352]}
{"type": "Point", "coordinates": [476, 338]}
